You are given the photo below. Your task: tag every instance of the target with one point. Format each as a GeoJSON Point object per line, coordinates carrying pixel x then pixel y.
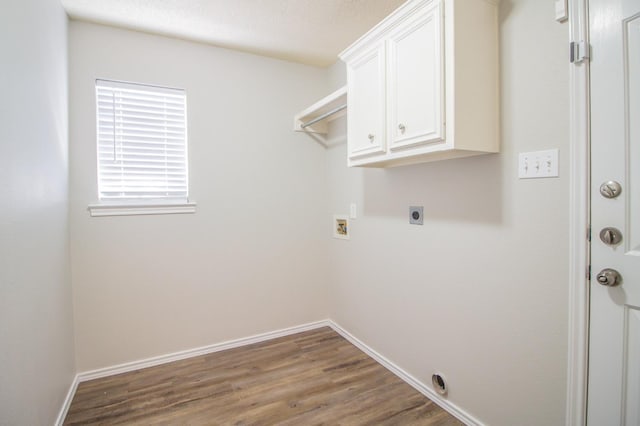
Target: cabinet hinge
{"type": "Point", "coordinates": [589, 233]}
{"type": "Point", "coordinates": [589, 273]}
{"type": "Point", "coordinates": [579, 52]}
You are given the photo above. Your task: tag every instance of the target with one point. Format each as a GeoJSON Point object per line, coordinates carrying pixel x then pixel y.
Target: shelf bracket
{"type": "Point", "coordinates": [314, 119]}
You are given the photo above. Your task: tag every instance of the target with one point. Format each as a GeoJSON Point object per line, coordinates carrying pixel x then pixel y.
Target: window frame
{"type": "Point", "coordinates": [140, 205]}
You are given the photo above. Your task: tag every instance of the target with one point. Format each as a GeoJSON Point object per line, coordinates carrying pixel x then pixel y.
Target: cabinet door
{"type": "Point", "coordinates": [366, 113]}
{"type": "Point", "coordinates": [416, 84]}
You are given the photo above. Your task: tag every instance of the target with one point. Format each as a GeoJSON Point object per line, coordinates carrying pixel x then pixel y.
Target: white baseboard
{"type": "Point", "coordinates": [67, 402]}
{"type": "Point", "coordinates": [177, 356]}
{"type": "Point", "coordinates": [424, 389]}
{"type": "Point", "coordinates": [421, 387]}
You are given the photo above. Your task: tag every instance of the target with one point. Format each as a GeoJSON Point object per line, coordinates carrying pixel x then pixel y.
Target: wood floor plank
{"type": "Point", "coordinates": [310, 378]}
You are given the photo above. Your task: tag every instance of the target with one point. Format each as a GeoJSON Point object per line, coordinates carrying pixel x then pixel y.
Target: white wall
{"type": "Point", "coordinates": [36, 326]}
{"type": "Point", "coordinates": [252, 259]}
{"type": "Point", "coordinates": [479, 293]}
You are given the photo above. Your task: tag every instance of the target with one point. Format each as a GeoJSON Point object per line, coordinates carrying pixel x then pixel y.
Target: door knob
{"type": "Point", "coordinates": [610, 189]}
{"type": "Point", "coordinates": [609, 277]}
{"type": "Point", "coordinates": [610, 236]}
{"type": "Point", "coordinates": [401, 127]}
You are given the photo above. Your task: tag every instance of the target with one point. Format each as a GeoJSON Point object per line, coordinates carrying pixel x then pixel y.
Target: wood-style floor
{"type": "Point", "coordinates": [310, 378]}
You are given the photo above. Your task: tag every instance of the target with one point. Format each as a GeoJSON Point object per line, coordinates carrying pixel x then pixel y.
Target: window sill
{"type": "Point", "coordinates": [97, 210]}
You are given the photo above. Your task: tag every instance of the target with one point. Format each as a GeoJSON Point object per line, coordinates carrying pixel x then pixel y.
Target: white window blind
{"type": "Point", "coordinates": [142, 142]}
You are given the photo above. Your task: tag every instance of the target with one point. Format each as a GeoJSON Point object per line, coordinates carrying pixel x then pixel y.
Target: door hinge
{"type": "Point", "coordinates": [589, 273]}
{"type": "Point", "coordinates": [579, 52]}
{"type": "Point", "coordinates": [589, 233]}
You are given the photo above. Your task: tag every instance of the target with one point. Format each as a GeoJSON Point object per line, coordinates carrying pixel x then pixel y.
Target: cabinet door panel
{"type": "Point", "coordinates": [416, 106]}
{"type": "Point", "coordinates": [366, 113]}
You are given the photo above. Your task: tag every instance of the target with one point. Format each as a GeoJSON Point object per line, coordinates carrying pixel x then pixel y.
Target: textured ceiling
{"type": "Point", "coordinates": [307, 31]}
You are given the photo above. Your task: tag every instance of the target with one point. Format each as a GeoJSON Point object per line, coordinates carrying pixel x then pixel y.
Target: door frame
{"type": "Point", "coordinates": [579, 257]}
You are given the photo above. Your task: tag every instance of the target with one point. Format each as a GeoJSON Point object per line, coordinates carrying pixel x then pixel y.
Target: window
{"type": "Point", "coordinates": [142, 149]}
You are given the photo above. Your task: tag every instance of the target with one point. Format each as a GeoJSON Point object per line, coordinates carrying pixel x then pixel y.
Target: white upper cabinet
{"type": "Point", "coordinates": [366, 131]}
{"type": "Point", "coordinates": [423, 84]}
{"type": "Point", "coordinates": [415, 83]}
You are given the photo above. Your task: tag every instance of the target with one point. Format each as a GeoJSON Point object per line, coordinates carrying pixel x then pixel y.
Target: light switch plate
{"type": "Point", "coordinates": [561, 10]}
{"type": "Point", "coordinates": [538, 164]}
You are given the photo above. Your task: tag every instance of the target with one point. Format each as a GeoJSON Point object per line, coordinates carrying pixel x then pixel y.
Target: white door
{"type": "Point", "coordinates": [614, 347]}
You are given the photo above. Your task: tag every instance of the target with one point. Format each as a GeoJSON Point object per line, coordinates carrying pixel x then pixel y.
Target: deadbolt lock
{"type": "Point", "coordinates": [610, 236]}
{"type": "Point", "coordinates": [610, 189]}
{"type": "Point", "coordinates": [609, 277]}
